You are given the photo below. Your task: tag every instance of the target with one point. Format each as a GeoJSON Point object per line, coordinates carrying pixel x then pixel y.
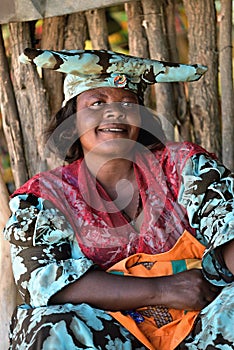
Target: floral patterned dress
{"type": "Point", "coordinates": [63, 224]}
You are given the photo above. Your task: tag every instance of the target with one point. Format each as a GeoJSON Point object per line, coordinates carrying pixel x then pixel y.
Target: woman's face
{"type": "Point", "coordinates": [107, 119]}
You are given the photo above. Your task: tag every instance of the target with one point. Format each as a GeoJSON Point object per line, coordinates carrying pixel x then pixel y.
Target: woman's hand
{"type": "Point", "coordinates": [188, 290]}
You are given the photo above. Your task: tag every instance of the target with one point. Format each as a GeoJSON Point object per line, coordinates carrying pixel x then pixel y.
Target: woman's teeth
{"type": "Point", "coordinates": [113, 130]}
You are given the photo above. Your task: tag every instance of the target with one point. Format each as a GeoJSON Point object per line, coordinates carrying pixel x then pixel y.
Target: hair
{"type": "Point", "coordinates": [62, 131]}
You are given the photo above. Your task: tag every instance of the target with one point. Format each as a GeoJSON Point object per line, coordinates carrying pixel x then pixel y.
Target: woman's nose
{"type": "Point", "coordinates": [114, 110]}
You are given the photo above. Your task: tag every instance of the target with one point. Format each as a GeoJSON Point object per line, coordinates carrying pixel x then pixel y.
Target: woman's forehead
{"type": "Point", "coordinates": [108, 92]}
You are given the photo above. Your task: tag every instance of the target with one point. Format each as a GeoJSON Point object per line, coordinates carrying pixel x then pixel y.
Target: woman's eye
{"type": "Point", "coordinates": [96, 104]}
{"type": "Point", "coordinates": [127, 104]}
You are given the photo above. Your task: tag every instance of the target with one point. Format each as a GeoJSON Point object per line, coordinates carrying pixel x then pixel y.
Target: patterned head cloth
{"type": "Point", "coordinates": [90, 69]}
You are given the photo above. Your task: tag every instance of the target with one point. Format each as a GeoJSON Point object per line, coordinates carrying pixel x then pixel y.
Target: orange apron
{"type": "Point", "coordinates": [161, 328]}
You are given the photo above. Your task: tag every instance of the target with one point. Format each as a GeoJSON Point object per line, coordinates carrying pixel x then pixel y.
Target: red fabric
{"type": "Point", "coordinates": [103, 233]}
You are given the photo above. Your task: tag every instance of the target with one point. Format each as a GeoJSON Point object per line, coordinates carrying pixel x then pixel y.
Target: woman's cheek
{"type": "Point", "coordinates": [86, 123]}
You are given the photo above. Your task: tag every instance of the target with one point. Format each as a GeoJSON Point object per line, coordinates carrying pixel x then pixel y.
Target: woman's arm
{"type": "Point", "coordinates": [185, 290]}
{"type": "Point", "coordinates": [207, 194]}
{"type": "Point", "coordinates": [44, 253]}
{"type": "Point", "coordinates": [228, 255]}
{"type": "Point", "coordinates": [46, 272]}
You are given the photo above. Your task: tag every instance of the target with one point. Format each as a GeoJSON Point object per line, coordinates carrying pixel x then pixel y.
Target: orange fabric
{"type": "Point", "coordinates": [186, 254]}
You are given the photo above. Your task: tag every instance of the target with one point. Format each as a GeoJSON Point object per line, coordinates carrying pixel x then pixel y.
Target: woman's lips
{"type": "Point", "coordinates": [113, 128]}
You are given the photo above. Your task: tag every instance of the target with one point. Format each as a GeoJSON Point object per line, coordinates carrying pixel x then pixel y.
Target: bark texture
{"type": "Point", "coordinates": [31, 99]}
{"type": "Point", "coordinates": [203, 95]}
{"type": "Point", "coordinates": [137, 39]}
{"type": "Point", "coordinates": [53, 39]}
{"type": "Point", "coordinates": [76, 31]}
{"type": "Point", "coordinates": [156, 29]}
{"type": "Point", "coordinates": [98, 29]}
{"type": "Point", "coordinates": [11, 120]}
{"type": "Point", "coordinates": [226, 82]}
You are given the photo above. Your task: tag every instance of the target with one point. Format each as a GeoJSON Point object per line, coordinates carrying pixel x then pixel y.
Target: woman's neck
{"type": "Point", "coordinates": [113, 173]}
{"type": "Point", "coordinates": [118, 178]}
{"type": "Point", "coordinates": [110, 172]}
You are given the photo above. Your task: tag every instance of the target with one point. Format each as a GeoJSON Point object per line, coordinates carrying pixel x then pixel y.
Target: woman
{"type": "Point", "coordinates": [128, 203]}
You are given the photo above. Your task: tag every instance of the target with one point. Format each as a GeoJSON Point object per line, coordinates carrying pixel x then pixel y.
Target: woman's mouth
{"type": "Point", "coordinates": [113, 129]}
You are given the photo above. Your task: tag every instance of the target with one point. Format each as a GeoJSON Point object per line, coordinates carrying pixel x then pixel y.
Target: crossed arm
{"type": "Point", "coordinates": [39, 268]}
{"type": "Point", "coordinates": [185, 290]}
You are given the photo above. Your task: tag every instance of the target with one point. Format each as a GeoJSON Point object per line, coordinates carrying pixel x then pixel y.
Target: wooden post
{"type": "Point", "coordinates": [156, 30]}
{"type": "Point", "coordinates": [203, 95]}
{"type": "Point", "coordinates": [31, 99]}
{"type": "Point", "coordinates": [76, 31]}
{"type": "Point", "coordinates": [11, 122]}
{"type": "Point", "coordinates": [4, 207]}
{"type": "Point", "coordinates": [53, 39]}
{"type": "Point", "coordinates": [226, 83]}
{"type": "Point", "coordinates": [98, 29]}
{"type": "Point", "coordinates": [137, 40]}
{"type": "Point", "coordinates": [7, 285]}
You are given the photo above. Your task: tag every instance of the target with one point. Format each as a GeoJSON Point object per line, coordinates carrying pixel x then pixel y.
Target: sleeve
{"type": "Point", "coordinates": [45, 254]}
{"type": "Point", "coordinates": [207, 194]}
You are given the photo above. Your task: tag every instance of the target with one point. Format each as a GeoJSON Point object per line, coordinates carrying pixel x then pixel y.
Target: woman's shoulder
{"type": "Point", "coordinates": [46, 178]}
{"type": "Point", "coordinates": [180, 151]}
{"type": "Point", "coordinates": [174, 155]}
{"type": "Point", "coordinates": [186, 147]}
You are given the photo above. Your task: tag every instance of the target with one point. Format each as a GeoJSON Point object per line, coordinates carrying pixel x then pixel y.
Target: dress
{"type": "Point", "coordinates": [58, 235]}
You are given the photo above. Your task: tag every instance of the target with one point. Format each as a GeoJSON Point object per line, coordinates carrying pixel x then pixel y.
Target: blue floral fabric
{"type": "Point", "coordinates": [207, 193]}
{"type": "Point", "coordinates": [46, 257]}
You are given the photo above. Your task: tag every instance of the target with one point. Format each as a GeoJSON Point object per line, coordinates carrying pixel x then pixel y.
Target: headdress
{"type": "Point", "coordinates": [90, 69]}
